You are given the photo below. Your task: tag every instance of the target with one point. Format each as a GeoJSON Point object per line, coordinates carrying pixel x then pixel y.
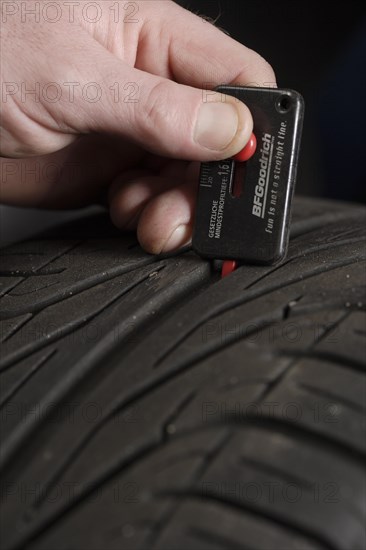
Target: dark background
{"type": "Point", "coordinates": [319, 49]}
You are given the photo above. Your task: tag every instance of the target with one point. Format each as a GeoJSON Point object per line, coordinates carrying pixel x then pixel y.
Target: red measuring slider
{"type": "Point", "coordinates": [248, 151]}
{"type": "Point", "coordinates": [245, 154]}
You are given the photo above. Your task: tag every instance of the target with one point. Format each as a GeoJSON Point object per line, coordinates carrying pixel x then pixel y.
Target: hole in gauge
{"type": "Point", "coordinates": [284, 104]}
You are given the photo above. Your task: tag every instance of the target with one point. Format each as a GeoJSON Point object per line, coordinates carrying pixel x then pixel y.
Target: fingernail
{"type": "Point", "coordinates": [216, 126]}
{"type": "Point", "coordinates": [178, 238]}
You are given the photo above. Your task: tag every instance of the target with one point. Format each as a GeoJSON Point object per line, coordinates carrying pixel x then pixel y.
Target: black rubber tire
{"type": "Point", "coordinates": [148, 404]}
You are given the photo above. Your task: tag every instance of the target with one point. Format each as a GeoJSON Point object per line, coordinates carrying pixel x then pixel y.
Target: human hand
{"type": "Point", "coordinates": [120, 107]}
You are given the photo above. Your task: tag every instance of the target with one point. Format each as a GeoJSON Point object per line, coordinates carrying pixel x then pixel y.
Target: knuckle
{"type": "Point", "coordinates": [264, 70]}
{"type": "Point", "coordinates": [267, 70]}
{"type": "Point", "coordinates": [262, 73]}
{"type": "Point", "coordinates": [158, 106]}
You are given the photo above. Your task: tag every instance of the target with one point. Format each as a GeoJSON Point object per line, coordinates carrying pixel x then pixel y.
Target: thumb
{"type": "Point", "coordinates": [165, 117]}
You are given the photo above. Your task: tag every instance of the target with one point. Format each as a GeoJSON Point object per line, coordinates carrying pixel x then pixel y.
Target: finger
{"type": "Point", "coordinates": [195, 52]}
{"type": "Point", "coordinates": [166, 222]}
{"type": "Point", "coordinates": [130, 193]}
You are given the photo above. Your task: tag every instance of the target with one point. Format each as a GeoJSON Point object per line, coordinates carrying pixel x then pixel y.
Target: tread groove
{"type": "Point", "coordinates": [208, 537]}
{"type": "Point", "coordinates": [333, 358]}
{"type": "Point", "coordinates": [233, 303]}
{"type": "Point", "coordinates": [275, 519]}
{"type": "Point", "coordinates": [270, 469]}
{"type": "Point", "coordinates": [206, 460]}
{"type": "Point", "coordinates": [5, 399]}
{"type": "Point", "coordinates": [289, 367]}
{"type": "Point", "coordinates": [330, 395]}
{"type": "Point", "coordinates": [67, 329]}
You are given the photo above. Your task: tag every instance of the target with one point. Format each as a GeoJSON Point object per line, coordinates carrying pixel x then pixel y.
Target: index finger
{"type": "Point", "coordinates": [194, 52]}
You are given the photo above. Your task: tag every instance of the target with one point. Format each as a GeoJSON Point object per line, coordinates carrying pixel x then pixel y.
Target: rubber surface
{"type": "Point", "coordinates": [146, 403]}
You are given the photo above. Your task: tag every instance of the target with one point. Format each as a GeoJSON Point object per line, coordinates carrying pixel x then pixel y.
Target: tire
{"type": "Point", "coordinates": [148, 404]}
